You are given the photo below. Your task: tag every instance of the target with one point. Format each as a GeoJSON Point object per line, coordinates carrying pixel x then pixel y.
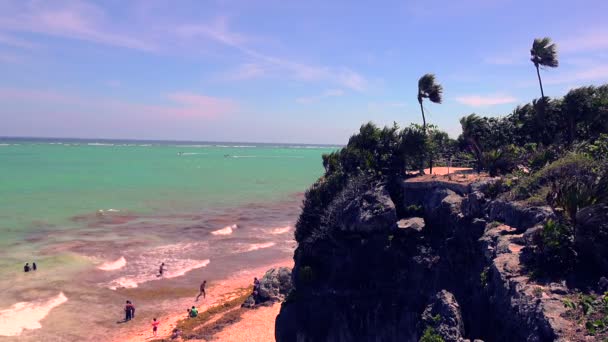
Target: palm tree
{"type": "Point", "coordinates": [471, 128]}
{"type": "Point", "coordinates": [544, 53]}
{"type": "Point", "coordinates": [428, 89]}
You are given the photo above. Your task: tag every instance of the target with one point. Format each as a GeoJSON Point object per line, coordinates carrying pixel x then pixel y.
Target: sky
{"type": "Point", "coordinates": [279, 70]}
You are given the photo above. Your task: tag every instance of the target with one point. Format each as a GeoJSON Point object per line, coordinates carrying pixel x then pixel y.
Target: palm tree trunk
{"type": "Point", "coordinates": [542, 93]}
{"type": "Point", "coordinates": [423, 118]}
{"type": "Point", "coordinates": [423, 130]}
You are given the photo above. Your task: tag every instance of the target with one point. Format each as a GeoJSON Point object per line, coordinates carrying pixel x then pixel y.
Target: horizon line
{"type": "Point", "coordinates": [3, 137]}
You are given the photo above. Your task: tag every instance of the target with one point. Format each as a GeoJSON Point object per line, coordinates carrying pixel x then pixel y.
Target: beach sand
{"type": "Point", "coordinates": [254, 324]}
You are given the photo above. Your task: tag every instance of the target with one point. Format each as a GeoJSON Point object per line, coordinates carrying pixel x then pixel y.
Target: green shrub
{"type": "Point", "coordinates": [556, 248]}
{"type": "Point", "coordinates": [430, 335]}
{"type": "Point", "coordinates": [414, 210]}
{"type": "Point", "coordinates": [570, 166]}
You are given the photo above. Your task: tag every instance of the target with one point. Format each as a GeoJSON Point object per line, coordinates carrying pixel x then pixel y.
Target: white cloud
{"type": "Point", "coordinates": [485, 101]}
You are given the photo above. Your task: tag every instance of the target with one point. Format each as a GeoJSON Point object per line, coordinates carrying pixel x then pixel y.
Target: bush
{"type": "Point", "coordinates": [570, 166]}
{"type": "Point", "coordinates": [430, 335]}
{"type": "Point", "coordinates": [557, 247]}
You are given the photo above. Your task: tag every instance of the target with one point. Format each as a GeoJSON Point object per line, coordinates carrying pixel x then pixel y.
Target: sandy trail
{"type": "Point", "coordinates": [257, 324]}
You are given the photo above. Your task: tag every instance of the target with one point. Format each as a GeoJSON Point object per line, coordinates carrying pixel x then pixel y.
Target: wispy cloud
{"type": "Point", "coordinates": [325, 94]}
{"type": "Point", "coordinates": [6, 39]}
{"type": "Point", "coordinates": [592, 73]}
{"type": "Point", "coordinates": [246, 72]}
{"type": "Point", "coordinates": [589, 40]}
{"type": "Point", "coordinates": [485, 100]}
{"type": "Point", "coordinates": [220, 32]}
{"type": "Point", "coordinates": [67, 19]}
{"type": "Point", "coordinates": [183, 104]}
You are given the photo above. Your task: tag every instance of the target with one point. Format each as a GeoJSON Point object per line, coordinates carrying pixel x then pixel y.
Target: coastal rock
{"type": "Point", "coordinates": [362, 208]}
{"type": "Point", "coordinates": [591, 235]}
{"type": "Point", "coordinates": [443, 314]}
{"type": "Point", "coordinates": [518, 215]}
{"type": "Point", "coordinates": [473, 204]}
{"type": "Point", "coordinates": [359, 279]}
{"type": "Point", "coordinates": [274, 286]}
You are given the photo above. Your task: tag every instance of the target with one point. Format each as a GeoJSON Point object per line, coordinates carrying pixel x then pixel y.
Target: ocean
{"type": "Point", "coordinates": [99, 216]}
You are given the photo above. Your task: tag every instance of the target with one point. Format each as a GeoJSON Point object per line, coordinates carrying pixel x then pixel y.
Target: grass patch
{"type": "Point", "coordinates": [190, 326]}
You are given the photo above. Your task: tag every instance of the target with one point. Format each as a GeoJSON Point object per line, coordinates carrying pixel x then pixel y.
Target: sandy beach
{"type": "Point", "coordinates": [252, 325]}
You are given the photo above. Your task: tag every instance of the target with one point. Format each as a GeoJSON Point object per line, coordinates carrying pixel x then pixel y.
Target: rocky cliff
{"type": "Point", "coordinates": [436, 260]}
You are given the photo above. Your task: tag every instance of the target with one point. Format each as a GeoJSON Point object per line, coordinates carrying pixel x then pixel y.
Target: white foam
{"type": "Point", "coordinates": [281, 230]}
{"type": "Point", "coordinates": [192, 153]}
{"type": "Point", "coordinates": [99, 144]}
{"type": "Point", "coordinates": [5, 144]}
{"type": "Point", "coordinates": [27, 315]}
{"type": "Point", "coordinates": [225, 231]}
{"type": "Point", "coordinates": [139, 270]}
{"type": "Point", "coordinates": [256, 246]}
{"type": "Point", "coordinates": [113, 265]}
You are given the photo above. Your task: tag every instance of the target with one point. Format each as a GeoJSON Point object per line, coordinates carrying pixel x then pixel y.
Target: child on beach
{"type": "Point", "coordinates": [26, 268]}
{"type": "Point", "coordinates": [193, 312]}
{"type": "Point", "coordinates": [155, 324]}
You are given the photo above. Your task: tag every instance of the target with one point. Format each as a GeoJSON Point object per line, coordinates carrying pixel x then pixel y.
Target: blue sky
{"type": "Point", "coordinates": [279, 71]}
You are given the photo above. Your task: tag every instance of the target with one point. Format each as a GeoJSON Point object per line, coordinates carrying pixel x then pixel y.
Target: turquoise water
{"type": "Point", "coordinates": [100, 216]}
{"type": "Point", "coordinates": [45, 183]}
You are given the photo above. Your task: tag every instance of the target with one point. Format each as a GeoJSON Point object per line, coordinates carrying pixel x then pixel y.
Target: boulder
{"type": "Point", "coordinates": [274, 287]}
{"type": "Point", "coordinates": [518, 215]}
{"type": "Point", "coordinates": [473, 204]}
{"type": "Point", "coordinates": [414, 224]}
{"type": "Point", "coordinates": [443, 314]}
{"type": "Point", "coordinates": [363, 208]}
{"type": "Point", "coordinates": [591, 235]}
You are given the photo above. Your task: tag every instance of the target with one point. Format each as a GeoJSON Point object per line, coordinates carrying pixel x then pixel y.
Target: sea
{"type": "Point", "coordinates": [98, 217]}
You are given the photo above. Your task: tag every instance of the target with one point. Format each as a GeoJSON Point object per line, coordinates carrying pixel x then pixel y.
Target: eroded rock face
{"type": "Point", "coordinates": [363, 209]}
{"type": "Point", "coordinates": [367, 276]}
{"type": "Point", "coordinates": [591, 235]}
{"type": "Point", "coordinates": [444, 316]}
{"type": "Point", "coordinates": [518, 215]}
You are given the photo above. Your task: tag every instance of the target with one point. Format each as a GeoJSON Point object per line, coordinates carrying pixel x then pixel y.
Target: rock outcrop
{"type": "Point", "coordinates": [366, 274]}
{"type": "Point", "coordinates": [444, 316]}
{"type": "Point", "coordinates": [592, 235]}
{"type": "Point", "coordinates": [274, 286]}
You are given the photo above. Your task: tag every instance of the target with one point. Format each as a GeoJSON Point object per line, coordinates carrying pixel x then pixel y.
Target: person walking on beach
{"type": "Point", "coordinates": [202, 291]}
{"type": "Point", "coordinates": [34, 266]}
{"type": "Point", "coordinates": [155, 324]}
{"type": "Point", "coordinates": [26, 268]}
{"type": "Point", "coordinates": [161, 270]}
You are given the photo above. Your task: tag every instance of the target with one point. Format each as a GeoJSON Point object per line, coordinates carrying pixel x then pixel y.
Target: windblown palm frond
{"type": "Point", "coordinates": [544, 53]}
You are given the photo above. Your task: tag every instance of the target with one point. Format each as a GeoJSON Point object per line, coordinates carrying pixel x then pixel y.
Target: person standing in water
{"type": "Point", "coordinates": [155, 324]}
{"type": "Point", "coordinates": [26, 268]}
{"type": "Point", "coordinates": [202, 291]}
{"type": "Point", "coordinates": [161, 270]}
